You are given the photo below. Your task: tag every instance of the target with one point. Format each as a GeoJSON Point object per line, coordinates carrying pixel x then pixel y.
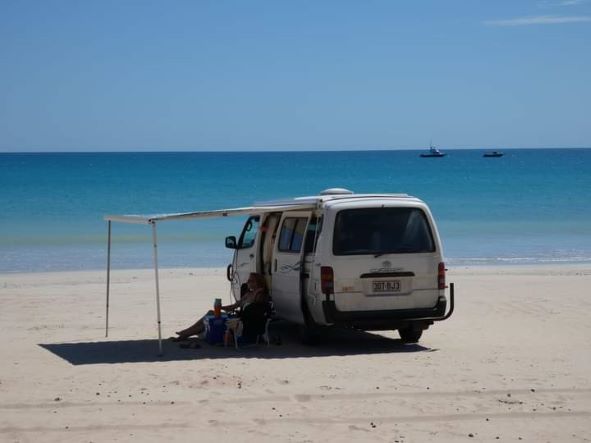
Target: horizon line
{"type": "Point", "coordinates": [275, 150]}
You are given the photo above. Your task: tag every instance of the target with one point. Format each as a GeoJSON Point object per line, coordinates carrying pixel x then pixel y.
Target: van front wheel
{"type": "Point", "coordinates": [410, 334]}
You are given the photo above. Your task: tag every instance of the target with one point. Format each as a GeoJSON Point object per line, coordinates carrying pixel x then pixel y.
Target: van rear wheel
{"type": "Point", "coordinates": [410, 335]}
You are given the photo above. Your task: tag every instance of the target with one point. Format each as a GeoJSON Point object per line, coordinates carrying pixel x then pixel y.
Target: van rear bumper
{"type": "Point", "coordinates": [390, 319]}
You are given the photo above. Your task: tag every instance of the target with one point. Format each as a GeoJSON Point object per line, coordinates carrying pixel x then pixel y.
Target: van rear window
{"type": "Point", "coordinates": [382, 231]}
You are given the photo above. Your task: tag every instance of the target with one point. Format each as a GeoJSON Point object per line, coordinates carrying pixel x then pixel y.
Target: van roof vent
{"type": "Point", "coordinates": [336, 191]}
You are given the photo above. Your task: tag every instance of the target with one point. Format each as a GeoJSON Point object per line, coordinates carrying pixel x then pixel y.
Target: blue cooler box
{"type": "Point", "coordinates": [215, 328]}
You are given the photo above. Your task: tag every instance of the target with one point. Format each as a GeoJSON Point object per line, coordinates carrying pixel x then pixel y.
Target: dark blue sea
{"type": "Point", "coordinates": [530, 206]}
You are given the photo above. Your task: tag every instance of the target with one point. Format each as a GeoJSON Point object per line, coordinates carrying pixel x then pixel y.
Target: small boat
{"type": "Point", "coordinates": [433, 152]}
{"type": "Point", "coordinates": [493, 154]}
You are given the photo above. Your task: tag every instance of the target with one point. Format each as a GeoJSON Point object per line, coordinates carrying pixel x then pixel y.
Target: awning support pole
{"type": "Point", "coordinates": [155, 243]}
{"type": "Point", "coordinates": [108, 277]}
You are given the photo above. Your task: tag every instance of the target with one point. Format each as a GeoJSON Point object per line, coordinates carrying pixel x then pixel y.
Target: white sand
{"type": "Point", "coordinates": [514, 361]}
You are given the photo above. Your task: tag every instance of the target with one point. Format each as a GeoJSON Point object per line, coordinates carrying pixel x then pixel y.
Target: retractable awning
{"type": "Point", "coordinates": [249, 210]}
{"type": "Point", "coordinates": [154, 218]}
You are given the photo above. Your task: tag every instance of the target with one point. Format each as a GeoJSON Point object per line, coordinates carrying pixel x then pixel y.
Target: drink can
{"type": "Point", "coordinates": [217, 307]}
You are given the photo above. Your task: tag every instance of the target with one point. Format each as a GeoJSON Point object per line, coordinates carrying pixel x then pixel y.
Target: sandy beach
{"type": "Point", "coordinates": [513, 363]}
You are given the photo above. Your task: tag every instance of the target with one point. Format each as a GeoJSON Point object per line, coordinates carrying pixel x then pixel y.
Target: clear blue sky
{"type": "Point", "coordinates": [230, 75]}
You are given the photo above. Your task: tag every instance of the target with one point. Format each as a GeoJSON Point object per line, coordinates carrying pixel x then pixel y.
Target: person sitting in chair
{"type": "Point", "coordinates": [249, 323]}
{"type": "Point", "coordinates": [256, 294]}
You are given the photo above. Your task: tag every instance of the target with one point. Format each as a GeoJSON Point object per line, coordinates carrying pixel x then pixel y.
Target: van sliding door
{"type": "Point", "coordinates": [288, 265]}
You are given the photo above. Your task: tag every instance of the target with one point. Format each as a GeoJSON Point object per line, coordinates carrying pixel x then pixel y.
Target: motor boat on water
{"type": "Point", "coordinates": [493, 154]}
{"type": "Point", "coordinates": [433, 152]}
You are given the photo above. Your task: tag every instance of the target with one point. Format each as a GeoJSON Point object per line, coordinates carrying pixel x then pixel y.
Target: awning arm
{"type": "Point", "coordinates": [155, 254]}
{"type": "Point", "coordinates": [108, 277]}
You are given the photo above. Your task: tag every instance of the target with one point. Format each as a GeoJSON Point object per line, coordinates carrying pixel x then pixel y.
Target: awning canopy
{"type": "Point", "coordinates": [249, 210]}
{"type": "Point", "coordinates": [154, 218]}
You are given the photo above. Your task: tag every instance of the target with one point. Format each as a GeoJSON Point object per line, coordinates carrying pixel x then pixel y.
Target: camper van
{"type": "Point", "coordinates": [364, 261]}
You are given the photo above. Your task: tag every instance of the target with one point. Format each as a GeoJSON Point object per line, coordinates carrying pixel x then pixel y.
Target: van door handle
{"type": "Point", "coordinates": [251, 255]}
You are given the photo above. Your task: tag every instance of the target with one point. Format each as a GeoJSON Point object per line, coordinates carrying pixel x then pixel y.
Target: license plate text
{"type": "Point", "coordinates": [386, 286]}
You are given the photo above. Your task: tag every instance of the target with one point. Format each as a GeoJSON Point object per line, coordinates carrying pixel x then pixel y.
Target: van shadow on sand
{"type": "Point", "coordinates": [334, 342]}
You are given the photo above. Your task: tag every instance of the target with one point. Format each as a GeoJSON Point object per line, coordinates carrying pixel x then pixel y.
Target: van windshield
{"type": "Point", "coordinates": [382, 231]}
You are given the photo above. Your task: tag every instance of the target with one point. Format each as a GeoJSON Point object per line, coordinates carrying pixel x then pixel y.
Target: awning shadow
{"type": "Point", "coordinates": [334, 343]}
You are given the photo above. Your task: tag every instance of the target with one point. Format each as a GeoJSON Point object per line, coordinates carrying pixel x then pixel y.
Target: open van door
{"type": "Point", "coordinates": [286, 287]}
{"type": "Point", "coordinates": [245, 256]}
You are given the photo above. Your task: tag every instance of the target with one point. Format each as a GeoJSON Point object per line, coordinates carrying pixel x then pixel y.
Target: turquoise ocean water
{"type": "Point", "coordinates": [530, 206]}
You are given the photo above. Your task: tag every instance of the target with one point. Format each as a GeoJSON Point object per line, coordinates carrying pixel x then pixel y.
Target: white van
{"type": "Point", "coordinates": [364, 261]}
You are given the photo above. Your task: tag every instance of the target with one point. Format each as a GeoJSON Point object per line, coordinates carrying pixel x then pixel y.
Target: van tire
{"type": "Point", "coordinates": [410, 334]}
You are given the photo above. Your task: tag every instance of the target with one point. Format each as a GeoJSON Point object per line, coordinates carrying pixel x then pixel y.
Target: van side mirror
{"type": "Point", "coordinates": [231, 242]}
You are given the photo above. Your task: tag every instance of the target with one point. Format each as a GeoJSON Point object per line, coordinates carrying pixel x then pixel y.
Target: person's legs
{"type": "Point", "coordinates": [195, 329]}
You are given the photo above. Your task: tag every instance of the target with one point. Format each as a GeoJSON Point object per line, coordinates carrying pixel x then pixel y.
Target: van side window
{"type": "Point", "coordinates": [292, 233]}
{"type": "Point", "coordinates": [249, 233]}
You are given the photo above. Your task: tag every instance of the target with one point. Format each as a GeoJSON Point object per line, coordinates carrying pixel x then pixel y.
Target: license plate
{"type": "Point", "coordinates": [386, 286]}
